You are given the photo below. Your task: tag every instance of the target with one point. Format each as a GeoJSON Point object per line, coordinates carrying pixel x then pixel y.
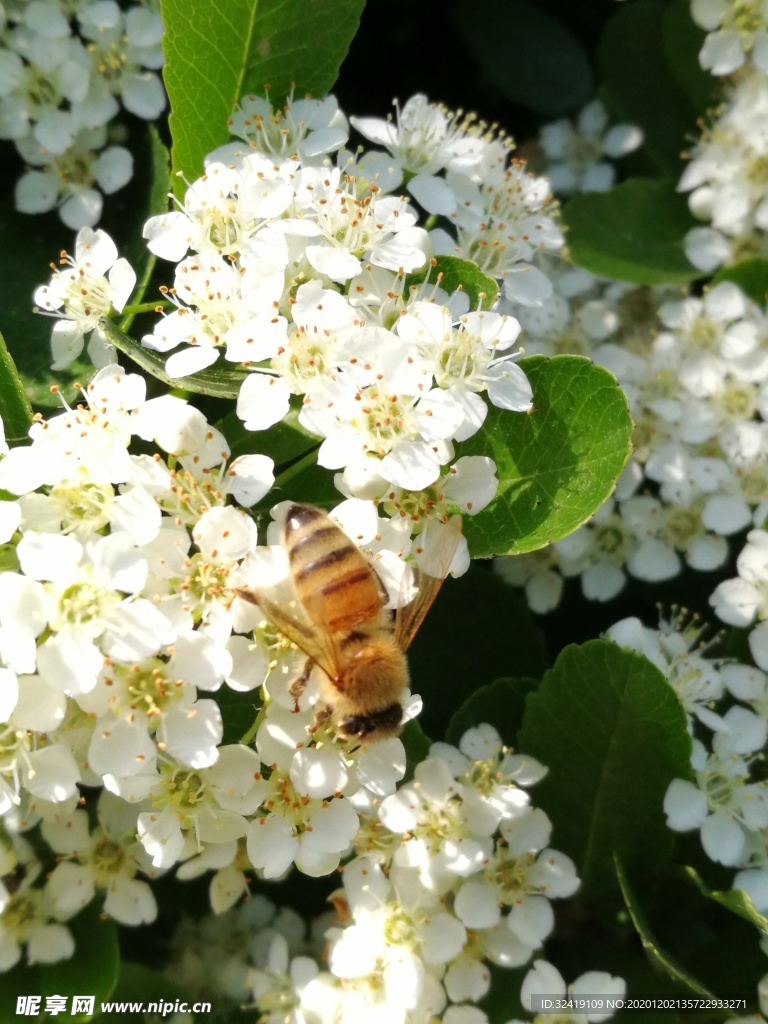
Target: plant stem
{"type": "Point", "coordinates": [309, 458]}
{"type": "Point", "coordinates": [146, 307]}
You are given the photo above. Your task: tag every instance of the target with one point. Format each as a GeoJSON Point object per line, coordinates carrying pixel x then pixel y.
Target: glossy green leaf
{"type": "Point", "coordinates": [639, 86]}
{"type": "Point", "coordinates": [15, 407]}
{"type": "Point", "coordinates": [530, 56]}
{"type": "Point", "coordinates": [557, 464]}
{"type": "Point", "coordinates": [92, 970]}
{"type": "Point", "coordinates": [239, 709]}
{"type": "Point", "coordinates": [455, 274]}
{"type": "Point", "coordinates": [634, 232]}
{"type": "Point", "coordinates": [657, 956]}
{"type": "Point", "coordinates": [750, 275]}
{"type": "Point", "coordinates": [613, 734]}
{"type": "Point", "coordinates": [500, 704]}
{"type": "Point", "coordinates": [736, 900]}
{"type": "Point", "coordinates": [217, 53]}
{"type": "Point", "coordinates": [222, 380]}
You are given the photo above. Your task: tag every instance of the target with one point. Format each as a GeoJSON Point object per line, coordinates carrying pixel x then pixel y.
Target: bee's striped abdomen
{"type": "Point", "coordinates": [333, 580]}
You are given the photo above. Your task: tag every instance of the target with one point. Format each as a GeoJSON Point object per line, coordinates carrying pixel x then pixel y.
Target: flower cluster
{"type": "Point", "coordinates": [115, 613]}
{"type": "Point", "coordinates": [121, 604]}
{"type": "Point", "coordinates": [65, 71]}
{"type": "Point", "coordinates": [299, 270]}
{"type": "Point", "coordinates": [725, 802]}
{"type": "Point", "coordinates": [454, 869]}
{"type": "Point", "coordinates": [726, 177]}
{"type": "Point", "coordinates": [725, 797]}
{"type": "Point", "coordinates": [316, 279]}
{"type": "Point", "coordinates": [119, 607]}
{"type": "Point", "coordinates": [695, 372]}
{"type": "Point", "coordinates": [694, 369]}
{"type": "Point", "coordinates": [451, 871]}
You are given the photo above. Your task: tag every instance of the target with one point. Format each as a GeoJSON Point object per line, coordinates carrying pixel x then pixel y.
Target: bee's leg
{"type": "Point", "coordinates": [322, 714]}
{"type": "Point", "coordinates": [299, 684]}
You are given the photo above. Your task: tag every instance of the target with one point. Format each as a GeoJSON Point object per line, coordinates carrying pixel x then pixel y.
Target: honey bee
{"type": "Point", "coordinates": [335, 611]}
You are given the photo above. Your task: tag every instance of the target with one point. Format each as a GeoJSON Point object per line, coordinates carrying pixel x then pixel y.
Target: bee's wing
{"type": "Point", "coordinates": [430, 574]}
{"type": "Point", "coordinates": [285, 611]}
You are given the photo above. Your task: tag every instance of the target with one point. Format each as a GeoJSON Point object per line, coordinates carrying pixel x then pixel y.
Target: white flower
{"type": "Point", "coordinates": [672, 649]}
{"type": "Point", "coordinates": [735, 34]}
{"type": "Point", "coordinates": [27, 919]}
{"type": "Point", "coordinates": [575, 153]}
{"type": "Point", "coordinates": [214, 300]}
{"type": "Point", "coordinates": [278, 987]}
{"type": "Point", "coordinates": [464, 361]}
{"type": "Point", "coordinates": [92, 284]}
{"type": "Point", "coordinates": [408, 433]}
{"type": "Point", "coordinates": [92, 607]}
{"type": "Point", "coordinates": [722, 804]}
{"type": "Point", "coordinates": [74, 881]}
{"type": "Point", "coordinates": [738, 601]}
{"type": "Point", "coordinates": [427, 138]}
{"type": "Point", "coordinates": [135, 36]}
{"type": "Point", "coordinates": [228, 212]}
{"type": "Point", "coordinates": [342, 228]}
{"type": "Point", "coordinates": [545, 980]}
{"type": "Point", "coordinates": [307, 128]}
{"type": "Point", "coordinates": [501, 224]}
{"type": "Point", "coordinates": [204, 806]}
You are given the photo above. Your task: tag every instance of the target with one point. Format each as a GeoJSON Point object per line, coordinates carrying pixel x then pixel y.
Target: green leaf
{"type": "Point", "coordinates": [417, 744]}
{"type": "Point", "coordinates": [307, 482]}
{"type": "Point", "coordinates": [469, 639]}
{"type": "Point", "coordinates": [526, 53]}
{"type": "Point", "coordinates": [556, 465]}
{"type": "Point", "coordinates": [736, 900]}
{"type": "Point", "coordinates": [138, 984]}
{"type": "Point", "coordinates": [283, 442]}
{"type": "Point", "coordinates": [219, 381]}
{"type": "Point", "coordinates": [217, 53]}
{"type": "Point", "coordinates": [638, 84]}
{"type": "Point", "coordinates": [656, 955]}
{"type": "Point", "coordinates": [500, 704]}
{"type": "Point", "coordinates": [136, 252]}
{"type": "Point", "coordinates": [634, 232]}
{"type": "Point", "coordinates": [682, 40]}
{"type": "Point", "coordinates": [455, 274]}
{"type": "Point", "coordinates": [750, 275]}
{"type": "Point", "coordinates": [91, 970]}
{"type": "Point", "coordinates": [15, 407]}
{"type": "Point", "coordinates": [239, 709]}
{"type": "Point", "coordinates": [612, 732]}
